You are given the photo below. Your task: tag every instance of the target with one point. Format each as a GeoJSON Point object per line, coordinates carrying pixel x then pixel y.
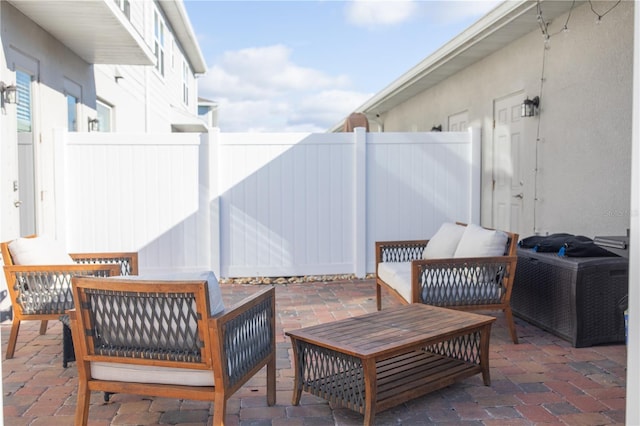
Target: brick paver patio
{"type": "Point", "coordinates": [542, 380]}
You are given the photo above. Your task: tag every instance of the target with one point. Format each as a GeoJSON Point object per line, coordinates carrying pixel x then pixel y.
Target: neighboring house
{"type": "Point", "coordinates": [102, 65]}
{"type": "Point", "coordinates": [208, 111]}
{"type": "Point", "coordinates": [567, 168]}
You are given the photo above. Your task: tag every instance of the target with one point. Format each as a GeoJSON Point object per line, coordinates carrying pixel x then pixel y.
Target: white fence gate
{"type": "Point", "coordinates": [253, 204]}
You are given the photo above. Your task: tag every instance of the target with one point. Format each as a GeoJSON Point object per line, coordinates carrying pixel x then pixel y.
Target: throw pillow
{"type": "Point", "coordinates": [444, 242]}
{"type": "Point", "coordinates": [480, 242]}
{"type": "Point", "coordinates": [39, 251]}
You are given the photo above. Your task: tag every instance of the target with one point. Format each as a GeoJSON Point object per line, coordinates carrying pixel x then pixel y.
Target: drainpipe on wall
{"type": "Point", "coordinates": [147, 106]}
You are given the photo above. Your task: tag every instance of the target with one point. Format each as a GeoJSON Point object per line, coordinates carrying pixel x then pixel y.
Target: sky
{"type": "Point", "coordinates": [305, 65]}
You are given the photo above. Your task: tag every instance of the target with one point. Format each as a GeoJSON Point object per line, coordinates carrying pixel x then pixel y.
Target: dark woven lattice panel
{"type": "Point", "coordinates": [47, 292]}
{"type": "Point", "coordinates": [402, 252]}
{"type": "Point", "coordinates": [124, 262]}
{"type": "Point", "coordinates": [334, 376]}
{"type": "Point", "coordinates": [248, 340]}
{"type": "Point", "coordinates": [161, 326]}
{"type": "Point", "coordinates": [456, 284]}
{"type": "Point", "coordinates": [465, 348]}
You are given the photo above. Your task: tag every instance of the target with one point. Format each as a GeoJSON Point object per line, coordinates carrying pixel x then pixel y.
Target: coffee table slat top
{"type": "Point", "coordinates": [389, 330]}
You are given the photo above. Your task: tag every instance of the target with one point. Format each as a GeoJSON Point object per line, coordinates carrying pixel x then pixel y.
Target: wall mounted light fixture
{"type": "Point", "coordinates": [9, 93]}
{"type": "Point", "coordinates": [117, 74]}
{"type": "Point", "coordinates": [93, 124]}
{"type": "Point", "coordinates": [530, 107]}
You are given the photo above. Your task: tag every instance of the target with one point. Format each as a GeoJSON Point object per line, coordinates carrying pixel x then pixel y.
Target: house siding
{"type": "Point", "coordinates": [143, 98]}
{"type": "Point", "coordinates": [142, 101]}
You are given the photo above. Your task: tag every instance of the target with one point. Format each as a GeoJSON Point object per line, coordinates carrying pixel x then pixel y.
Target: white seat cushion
{"type": "Point", "coordinates": [38, 251]}
{"type": "Point", "coordinates": [150, 374]}
{"type": "Point", "coordinates": [397, 275]}
{"type": "Point", "coordinates": [477, 241]}
{"type": "Point", "coordinates": [444, 242]}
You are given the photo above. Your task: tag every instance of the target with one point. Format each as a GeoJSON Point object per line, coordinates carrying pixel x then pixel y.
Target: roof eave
{"type": "Point", "coordinates": [504, 24]}
{"type": "Point", "coordinates": [181, 24]}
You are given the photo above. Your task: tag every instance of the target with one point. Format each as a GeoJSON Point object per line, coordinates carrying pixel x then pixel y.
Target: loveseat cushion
{"type": "Point", "coordinates": [477, 241]}
{"type": "Point", "coordinates": [398, 276]}
{"type": "Point", "coordinates": [444, 242]}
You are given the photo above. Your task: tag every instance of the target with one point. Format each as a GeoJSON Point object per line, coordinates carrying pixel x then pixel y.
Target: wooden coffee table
{"type": "Point", "coordinates": [376, 361]}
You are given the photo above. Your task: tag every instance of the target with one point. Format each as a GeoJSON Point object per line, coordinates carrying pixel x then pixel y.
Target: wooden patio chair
{"type": "Point", "coordinates": [38, 274]}
{"type": "Point", "coordinates": [159, 338]}
{"type": "Point", "coordinates": [457, 269]}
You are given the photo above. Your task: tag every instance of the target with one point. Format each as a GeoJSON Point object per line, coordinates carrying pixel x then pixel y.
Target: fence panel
{"type": "Point", "coordinates": [134, 192]}
{"type": "Point", "coordinates": [262, 204]}
{"type": "Point", "coordinates": [286, 204]}
{"type": "Point", "coordinates": [416, 181]}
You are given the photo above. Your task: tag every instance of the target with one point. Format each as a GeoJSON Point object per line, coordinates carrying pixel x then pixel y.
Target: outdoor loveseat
{"type": "Point", "coordinates": [461, 267]}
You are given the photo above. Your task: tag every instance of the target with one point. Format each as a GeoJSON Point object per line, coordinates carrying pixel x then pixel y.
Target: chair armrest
{"type": "Point", "coordinates": [466, 261]}
{"type": "Point", "coordinates": [107, 269]}
{"type": "Point", "coordinates": [127, 260]}
{"type": "Point", "coordinates": [246, 335]}
{"type": "Point", "coordinates": [399, 251]}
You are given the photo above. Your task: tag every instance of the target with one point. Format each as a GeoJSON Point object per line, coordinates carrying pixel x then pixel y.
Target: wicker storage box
{"type": "Point", "coordinates": [576, 299]}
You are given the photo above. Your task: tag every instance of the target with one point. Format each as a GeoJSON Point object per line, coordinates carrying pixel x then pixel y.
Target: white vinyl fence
{"type": "Point", "coordinates": [254, 204]}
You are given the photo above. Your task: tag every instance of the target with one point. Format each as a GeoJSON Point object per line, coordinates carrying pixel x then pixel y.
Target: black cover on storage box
{"type": "Point", "coordinates": [574, 298]}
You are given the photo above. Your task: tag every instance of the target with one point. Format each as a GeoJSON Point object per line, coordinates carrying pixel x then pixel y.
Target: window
{"type": "Point", "coordinates": [185, 83]}
{"type": "Point", "coordinates": [158, 33]}
{"type": "Point", "coordinates": [73, 92]}
{"type": "Point", "coordinates": [23, 109]}
{"type": "Point", "coordinates": [104, 113]}
{"type": "Point", "coordinates": [72, 113]}
{"type": "Point", "coordinates": [174, 50]}
{"type": "Point", "coordinates": [125, 7]}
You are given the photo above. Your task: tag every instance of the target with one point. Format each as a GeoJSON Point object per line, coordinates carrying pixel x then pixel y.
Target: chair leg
{"type": "Point", "coordinates": [512, 325]}
{"type": "Point", "coordinates": [82, 409]}
{"type": "Point", "coordinates": [378, 297]}
{"type": "Point", "coordinates": [219, 409]}
{"type": "Point", "coordinates": [271, 381]}
{"type": "Point", "coordinates": [43, 326]}
{"type": "Point", "coordinates": [13, 337]}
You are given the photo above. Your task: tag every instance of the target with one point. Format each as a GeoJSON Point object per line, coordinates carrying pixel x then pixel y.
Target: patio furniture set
{"type": "Point", "coordinates": [171, 336]}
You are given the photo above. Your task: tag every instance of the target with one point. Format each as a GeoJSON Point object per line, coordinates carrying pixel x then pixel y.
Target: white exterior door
{"type": "Point", "coordinates": [508, 180]}
{"type": "Point", "coordinates": [459, 122]}
{"type": "Point", "coordinates": [25, 186]}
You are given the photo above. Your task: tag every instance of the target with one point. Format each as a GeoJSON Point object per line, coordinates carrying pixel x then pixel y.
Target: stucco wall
{"type": "Point", "coordinates": [583, 173]}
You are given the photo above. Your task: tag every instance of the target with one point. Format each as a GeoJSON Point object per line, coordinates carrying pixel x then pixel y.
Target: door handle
{"type": "Point", "coordinates": [17, 203]}
{"type": "Point", "coordinates": [520, 196]}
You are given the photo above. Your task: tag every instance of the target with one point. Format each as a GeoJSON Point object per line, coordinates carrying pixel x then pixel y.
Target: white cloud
{"type": "Point", "coordinates": [262, 89]}
{"type": "Point", "coordinates": [375, 13]}
{"type": "Point", "coordinates": [452, 11]}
